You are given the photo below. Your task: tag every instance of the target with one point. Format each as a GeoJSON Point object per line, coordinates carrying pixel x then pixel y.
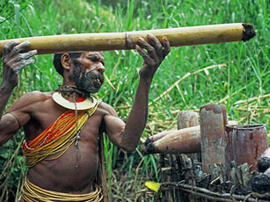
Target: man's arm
{"type": "Point", "coordinates": [128, 135]}
{"type": "Point", "coordinates": [15, 58]}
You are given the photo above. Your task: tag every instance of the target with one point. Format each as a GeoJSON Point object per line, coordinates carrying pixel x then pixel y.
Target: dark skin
{"type": "Point", "coordinates": [76, 170]}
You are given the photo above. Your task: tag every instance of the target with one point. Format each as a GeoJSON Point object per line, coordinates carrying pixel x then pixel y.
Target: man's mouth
{"type": "Point", "coordinates": [98, 81]}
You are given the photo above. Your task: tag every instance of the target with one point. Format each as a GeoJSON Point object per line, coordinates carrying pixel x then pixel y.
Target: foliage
{"type": "Point", "coordinates": [245, 75]}
{"type": "Point", "coordinates": [10, 9]}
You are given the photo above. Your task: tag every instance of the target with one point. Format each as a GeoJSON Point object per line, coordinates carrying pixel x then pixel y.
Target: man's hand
{"type": "Point", "coordinates": [156, 52]}
{"type": "Point", "coordinates": [15, 57]}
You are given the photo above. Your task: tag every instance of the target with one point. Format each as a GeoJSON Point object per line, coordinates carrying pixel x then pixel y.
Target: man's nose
{"type": "Point", "coordinates": [100, 68]}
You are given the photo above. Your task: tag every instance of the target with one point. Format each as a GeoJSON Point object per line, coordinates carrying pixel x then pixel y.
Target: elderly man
{"type": "Point", "coordinates": [62, 128]}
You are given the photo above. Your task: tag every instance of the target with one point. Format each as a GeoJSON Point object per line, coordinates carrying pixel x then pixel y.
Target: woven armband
{"type": "Point", "coordinates": [17, 119]}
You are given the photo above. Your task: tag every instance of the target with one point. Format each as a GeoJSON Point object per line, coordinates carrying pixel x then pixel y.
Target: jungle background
{"type": "Point", "coordinates": [235, 74]}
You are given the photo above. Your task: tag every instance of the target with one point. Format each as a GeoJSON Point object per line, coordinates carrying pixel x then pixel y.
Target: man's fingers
{"type": "Point", "coordinates": [27, 55]}
{"type": "Point", "coordinates": [22, 47]}
{"type": "Point", "coordinates": [150, 49]}
{"type": "Point", "coordinates": [8, 47]}
{"type": "Point", "coordinates": [142, 53]}
{"type": "Point", "coordinates": [145, 56]}
{"type": "Point", "coordinates": [13, 48]}
{"type": "Point", "coordinates": [22, 56]}
{"type": "Point", "coordinates": [166, 46]}
{"type": "Point", "coordinates": [22, 64]}
{"type": "Point", "coordinates": [156, 44]}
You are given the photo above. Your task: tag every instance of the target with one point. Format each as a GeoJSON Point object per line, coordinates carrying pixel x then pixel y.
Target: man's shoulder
{"type": "Point", "coordinates": [107, 108]}
{"type": "Point", "coordinates": [36, 96]}
{"type": "Point", "coordinates": [29, 99]}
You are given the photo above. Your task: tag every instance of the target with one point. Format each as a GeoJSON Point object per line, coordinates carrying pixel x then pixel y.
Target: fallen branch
{"type": "Point", "coordinates": [210, 194]}
{"type": "Point", "coordinates": [251, 99]}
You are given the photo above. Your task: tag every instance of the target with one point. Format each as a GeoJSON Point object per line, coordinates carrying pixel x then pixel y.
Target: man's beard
{"type": "Point", "coordinates": [89, 82]}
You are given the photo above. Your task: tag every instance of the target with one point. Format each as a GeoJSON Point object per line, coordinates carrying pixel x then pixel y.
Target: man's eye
{"type": "Point", "coordinates": [93, 58]}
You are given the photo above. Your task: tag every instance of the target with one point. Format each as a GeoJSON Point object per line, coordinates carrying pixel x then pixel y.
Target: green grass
{"type": "Point", "coordinates": [245, 76]}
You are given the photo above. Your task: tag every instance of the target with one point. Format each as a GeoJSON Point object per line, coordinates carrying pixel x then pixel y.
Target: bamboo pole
{"type": "Point", "coordinates": [194, 35]}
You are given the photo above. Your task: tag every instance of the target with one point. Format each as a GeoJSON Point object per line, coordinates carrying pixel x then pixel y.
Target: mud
{"type": "Point", "coordinates": [248, 32]}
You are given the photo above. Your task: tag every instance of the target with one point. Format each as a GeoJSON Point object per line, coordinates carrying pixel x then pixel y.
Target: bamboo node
{"type": "Point", "coordinates": [128, 42]}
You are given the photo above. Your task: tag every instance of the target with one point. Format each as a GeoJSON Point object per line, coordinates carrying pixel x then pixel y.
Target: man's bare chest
{"type": "Point", "coordinates": [50, 114]}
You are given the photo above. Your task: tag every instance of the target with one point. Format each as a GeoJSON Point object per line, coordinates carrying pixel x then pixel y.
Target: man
{"type": "Point", "coordinates": [62, 128]}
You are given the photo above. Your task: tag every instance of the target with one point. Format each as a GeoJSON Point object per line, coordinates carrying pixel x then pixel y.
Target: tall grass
{"type": "Point", "coordinates": [245, 75]}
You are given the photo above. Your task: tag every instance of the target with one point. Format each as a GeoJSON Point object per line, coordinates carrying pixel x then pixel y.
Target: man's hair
{"type": "Point", "coordinates": [57, 61]}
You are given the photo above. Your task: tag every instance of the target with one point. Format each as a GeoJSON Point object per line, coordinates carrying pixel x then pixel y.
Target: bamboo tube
{"type": "Point", "coordinates": [193, 35]}
{"type": "Point", "coordinates": [185, 119]}
{"type": "Point", "coordinates": [248, 143]}
{"type": "Point", "coordinates": [187, 140]}
{"type": "Point", "coordinates": [213, 122]}
{"type": "Point", "coordinates": [188, 119]}
{"type": "Point", "coordinates": [158, 136]}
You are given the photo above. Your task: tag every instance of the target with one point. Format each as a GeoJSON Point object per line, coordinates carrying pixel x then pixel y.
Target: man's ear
{"type": "Point", "coordinates": [66, 61]}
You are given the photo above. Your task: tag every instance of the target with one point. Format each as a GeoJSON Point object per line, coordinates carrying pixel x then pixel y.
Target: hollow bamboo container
{"type": "Point", "coordinates": [213, 122]}
{"type": "Point", "coordinates": [183, 36]}
{"type": "Point", "coordinates": [186, 119]}
{"type": "Point", "coordinates": [187, 140]}
{"type": "Point", "coordinates": [247, 143]}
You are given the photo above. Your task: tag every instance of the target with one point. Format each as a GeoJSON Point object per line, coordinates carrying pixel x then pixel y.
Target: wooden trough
{"type": "Point", "coordinates": [226, 170]}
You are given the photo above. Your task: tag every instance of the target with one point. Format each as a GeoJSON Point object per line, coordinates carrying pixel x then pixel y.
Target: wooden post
{"type": "Point", "coordinates": [213, 120]}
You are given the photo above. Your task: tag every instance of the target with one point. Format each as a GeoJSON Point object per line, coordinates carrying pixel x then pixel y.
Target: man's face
{"type": "Point", "coordinates": [88, 72]}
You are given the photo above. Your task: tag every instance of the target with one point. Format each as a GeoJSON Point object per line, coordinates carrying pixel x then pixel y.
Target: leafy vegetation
{"type": "Point", "coordinates": [240, 78]}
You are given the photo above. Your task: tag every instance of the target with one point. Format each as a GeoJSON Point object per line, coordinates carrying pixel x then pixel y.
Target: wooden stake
{"type": "Point", "coordinates": [183, 36]}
